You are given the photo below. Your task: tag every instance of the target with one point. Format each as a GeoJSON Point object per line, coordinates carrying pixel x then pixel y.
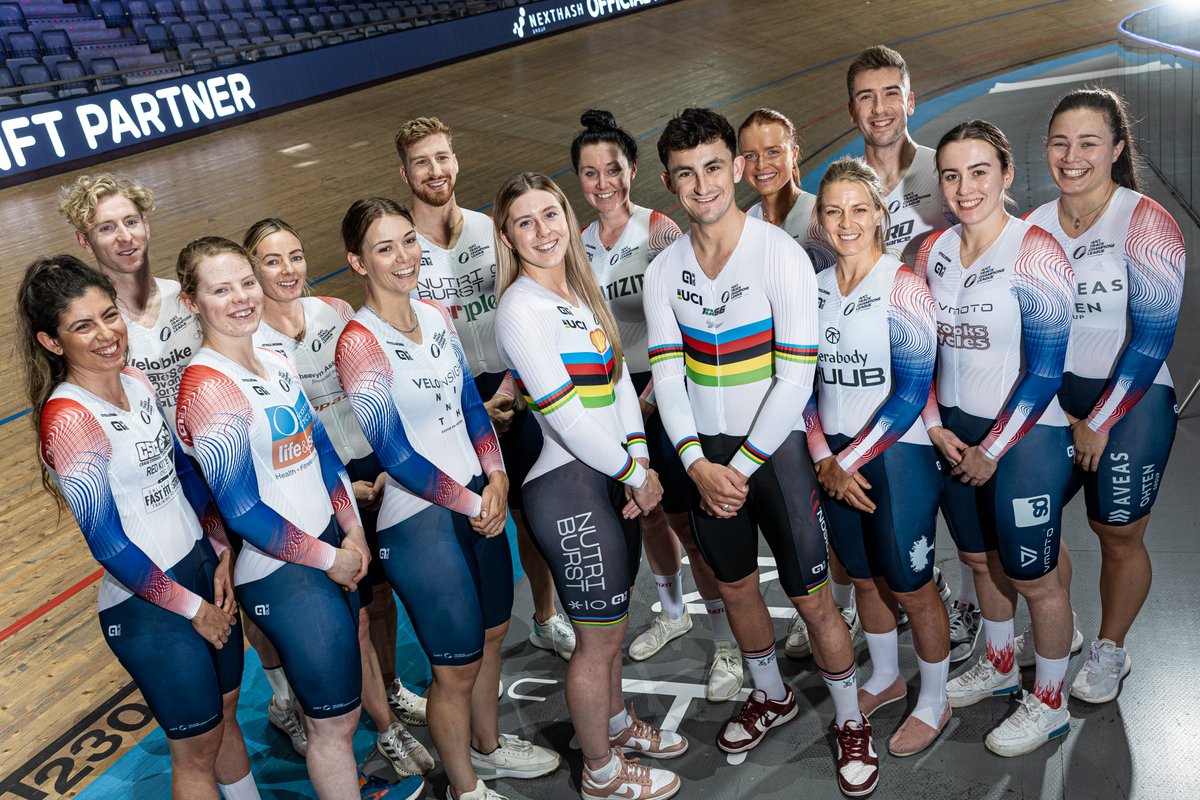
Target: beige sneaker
{"type": "Point", "coordinates": [643, 739]}
{"type": "Point", "coordinates": [633, 781]}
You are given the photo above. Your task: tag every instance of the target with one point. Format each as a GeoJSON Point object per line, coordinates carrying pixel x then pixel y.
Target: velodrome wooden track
{"type": "Point", "coordinates": [511, 110]}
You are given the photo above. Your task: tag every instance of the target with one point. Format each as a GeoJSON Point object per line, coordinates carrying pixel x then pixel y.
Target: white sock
{"type": "Point", "coordinates": [605, 773]}
{"type": "Point", "coordinates": [843, 593]}
{"type": "Point", "coordinates": [718, 620]}
{"type": "Point", "coordinates": [885, 660]}
{"type": "Point", "coordinates": [242, 789]}
{"type": "Point", "coordinates": [619, 722]}
{"type": "Point", "coordinates": [1000, 647]}
{"type": "Point", "coordinates": [279, 686]}
{"type": "Point", "coordinates": [1048, 679]}
{"type": "Point", "coordinates": [843, 688]}
{"type": "Point", "coordinates": [764, 671]}
{"type": "Point", "coordinates": [931, 702]}
{"type": "Point", "coordinates": [966, 592]}
{"type": "Point", "coordinates": [670, 593]}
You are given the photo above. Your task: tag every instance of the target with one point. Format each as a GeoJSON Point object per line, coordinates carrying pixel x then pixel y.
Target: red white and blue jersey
{"type": "Point", "coordinates": [803, 225]}
{"type": "Point", "coordinates": [138, 501]}
{"type": "Point", "coordinates": [463, 279]}
{"type": "Point", "coordinates": [419, 409]}
{"type": "Point", "coordinates": [1002, 328]}
{"type": "Point", "coordinates": [564, 366]}
{"type": "Point", "coordinates": [271, 467]}
{"type": "Point", "coordinates": [163, 350]}
{"type": "Point", "coordinates": [621, 269]}
{"type": "Point", "coordinates": [312, 356]}
{"type": "Point", "coordinates": [875, 365]}
{"type": "Point", "coordinates": [735, 354]}
{"type": "Point", "coordinates": [1129, 269]}
{"type": "Point", "coordinates": [916, 206]}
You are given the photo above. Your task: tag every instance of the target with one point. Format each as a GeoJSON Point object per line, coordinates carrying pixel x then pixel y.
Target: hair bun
{"type": "Point", "coordinates": [596, 120]}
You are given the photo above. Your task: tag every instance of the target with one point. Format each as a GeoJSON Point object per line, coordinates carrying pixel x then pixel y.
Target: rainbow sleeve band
{"type": "Point", "coordinates": [796, 353]}
{"type": "Point", "coordinates": [753, 453]}
{"type": "Point", "coordinates": [626, 471]}
{"type": "Point", "coordinates": [684, 444]}
{"type": "Point", "coordinates": [556, 399]}
{"type": "Point", "coordinates": [665, 352]}
{"type": "Point", "coordinates": [637, 437]}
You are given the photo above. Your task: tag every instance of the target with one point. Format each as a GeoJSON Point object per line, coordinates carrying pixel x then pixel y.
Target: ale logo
{"type": "Point", "coordinates": [291, 434]}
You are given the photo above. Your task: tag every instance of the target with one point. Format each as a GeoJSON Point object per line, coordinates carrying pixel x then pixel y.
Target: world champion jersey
{"type": "Point", "coordinates": [419, 408]}
{"type": "Point", "coordinates": [312, 357]}
{"type": "Point", "coordinates": [271, 467]}
{"type": "Point", "coordinates": [163, 351]}
{"type": "Point", "coordinates": [621, 269]}
{"type": "Point", "coordinates": [463, 280]}
{"type": "Point", "coordinates": [117, 471]}
{"type": "Point", "coordinates": [1129, 269]}
{"type": "Point", "coordinates": [564, 366]}
{"type": "Point", "coordinates": [736, 354]}
{"type": "Point", "coordinates": [875, 365]}
{"type": "Point", "coordinates": [803, 225]}
{"type": "Point", "coordinates": [916, 207]}
{"type": "Point", "coordinates": [1002, 328]}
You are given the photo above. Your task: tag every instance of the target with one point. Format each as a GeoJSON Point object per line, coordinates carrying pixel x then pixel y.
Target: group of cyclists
{"type": "Point", "coordinates": [248, 461]}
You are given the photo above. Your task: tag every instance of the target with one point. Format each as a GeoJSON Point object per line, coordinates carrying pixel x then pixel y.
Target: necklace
{"type": "Point", "coordinates": [1078, 221]}
{"type": "Point", "coordinates": [416, 324]}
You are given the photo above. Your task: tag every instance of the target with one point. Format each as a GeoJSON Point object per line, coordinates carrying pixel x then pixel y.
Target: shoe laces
{"type": "Point", "coordinates": [1101, 660]}
{"type": "Point", "coordinates": [633, 771]}
{"type": "Point", "coordinates": [1030, 707]}
{"type": "Point", "coordinates": [960, 621]}
{"type": "Point", "coordinates": [511, 744]}
{"type": "Point", "coordinates": [640, 729]}
{"type": "Point", "coordinates": [292, 723]}
{"type": "Point", "coordinates": [854, 741]}
{"type": "Point", "coordinates": [982, 670]}
{"type": "Point", "coordinates": [726, 658]}
{"type": "Point", "coordinates": [559, 626]}
{"type": "Point", "coordinates": [752, 710]}
{"type": "Point", "coordinates": [398, 741]}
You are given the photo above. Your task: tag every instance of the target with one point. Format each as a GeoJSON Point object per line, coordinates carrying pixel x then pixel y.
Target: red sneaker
{"type": "Point", "coordinates": [858, 764]}
{"type": "Point", "coordinates": [758, 715]}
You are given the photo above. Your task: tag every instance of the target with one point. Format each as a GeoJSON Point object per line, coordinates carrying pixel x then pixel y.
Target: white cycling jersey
{"type": "Point", "coordinates": [621, 269]}
{"type": "Point", "coordinates": [1129, 269]}
{"type": "Point", "coordinates": [735, 354]}
{"type": "Point", "coordinates": [1002, 328]}
{"type": "Point", "coordinates": [803, 225]}
{"type": "Point", "coordinates": [312, 356]}
{"type": "Point", "coordinates": [163, 350]}
{"type": "Point", "coordinates": [419, 408]}
{"type": "Point", "coordinates": [875, 364]}
{"type": "Point", "coordinates": [916, 206]}
{"type": "Point", "coordinates": [564, 366]}
{"type": "Point", "coordinates": [273, 471]}
{"type": "Point", "coordinates": [463, 279]}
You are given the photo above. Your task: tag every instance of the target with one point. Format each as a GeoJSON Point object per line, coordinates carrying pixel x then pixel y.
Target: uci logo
{"type": "Point", "coordinates": [833, 335]}
{"type": "Point", "coordinates": [1079, 251]}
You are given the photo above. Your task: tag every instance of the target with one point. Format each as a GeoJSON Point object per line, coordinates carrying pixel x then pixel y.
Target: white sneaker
{"type": "Point", "coordinates": [981, 682]}
{"type": "Point", "coordinates": [514, 758]}
{"type": "Point", "coordinates": [965, 623]}
{"type": "Point", "coordinates": [406, 755]}
{"type": "Point", "coordinates": [1032, 725]}
{"type": "Point", "coordinates": [1023, 645]}
{"type": "Point", "coordinates": [289, 722]}
{"type": "Point", "coordinates": [633, 781]}
{"type": "Point", "coordinates": [725, 674]}
{"type": "Point", "coordinates": [797, 645]}
{"type": "Point", "coordinates": [1100, 679]}
{"type": "Point", "coordinates": [662, 630]}
{"type": "Point", "coordinates": [554, 634]}
{"type": "Point", "coordinates": [408, 705]}
{"type": "Point", "coordinates": [480, 792]}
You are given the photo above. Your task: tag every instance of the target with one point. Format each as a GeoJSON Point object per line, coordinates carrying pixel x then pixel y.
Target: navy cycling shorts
{"type": "Point", "coordinates": [182, 677]}
{"type": "Point", "coordinates": [313, 624]}
{"type": "Point", "coordinates": [574, 514]}
{"type": "Point", "coordinates": [520, 445]}
{"type": "Point", "coordinates": [1019, 511]}
{"type": "Point", "coordinates": [454, 583]}
{"type": "Point", "coordinates": [1124, 488]}
{"type": "Point", "coordinates": [895, 542]}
